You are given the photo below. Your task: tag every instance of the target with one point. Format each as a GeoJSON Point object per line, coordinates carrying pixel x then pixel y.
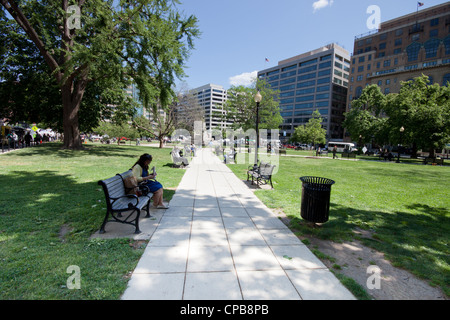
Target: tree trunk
{"type": "Point", "coordinates": [161, 142]}
{"type": "Point", "coordinates": [71, 98]}
{"type": "Point", "coordinates": [414, 151]}
{"type": "Point", "coordinates": [432, 153]}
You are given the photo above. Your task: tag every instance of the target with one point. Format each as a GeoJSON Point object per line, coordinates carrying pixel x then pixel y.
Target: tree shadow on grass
{"type": "Point", "coordinates": [55, 150]}
{"type": "Point", "coordinates": [52, 197]}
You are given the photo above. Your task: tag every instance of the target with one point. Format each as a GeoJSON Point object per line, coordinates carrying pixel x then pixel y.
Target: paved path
{"type": "Point", "coordinates": [218, 241]}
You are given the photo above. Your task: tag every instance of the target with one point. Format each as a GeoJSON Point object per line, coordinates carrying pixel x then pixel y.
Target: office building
{"type": "Point", "coordinates": [402, 49]}
{"type": "Point", "coordinates": [315, 80]}
{"type": "Point", "coordinates": [211, 98]}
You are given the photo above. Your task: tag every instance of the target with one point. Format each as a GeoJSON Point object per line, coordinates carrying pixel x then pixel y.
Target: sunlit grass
{"type": "Point", "coordinates": [406, 208]}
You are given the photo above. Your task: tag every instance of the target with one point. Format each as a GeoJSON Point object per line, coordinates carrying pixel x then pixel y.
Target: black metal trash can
{"type": "Point", "coordinates": [316, 193]}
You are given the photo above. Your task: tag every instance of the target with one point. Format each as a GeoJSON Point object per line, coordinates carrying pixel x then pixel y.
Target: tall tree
{"type": "Point", "coordinates": [423, 110]}
{"type": "Point", "coordinates": [311, 132]}
{"type": "Point", "coordinates": [241, 107]}
{"type": "Point", "coordinates": [85, 41]}
{"type": "Point", "coordinates": [364, 121]}
{"type": "Point", "coordinates": [160, 126]}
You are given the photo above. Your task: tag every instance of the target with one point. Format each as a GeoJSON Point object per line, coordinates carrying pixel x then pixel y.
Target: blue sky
{"type": "Point", "coordinates": [238, 35]}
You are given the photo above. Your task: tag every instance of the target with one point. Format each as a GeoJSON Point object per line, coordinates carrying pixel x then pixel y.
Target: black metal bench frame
{"type": "Point", "coordinates": [262, 173]}
{"type": "Point", "coordinates": [437, 161]}
{"type": "Point", "coordinates": [348, 155]}
{"type": "Point", "coordinates": [118, 202]}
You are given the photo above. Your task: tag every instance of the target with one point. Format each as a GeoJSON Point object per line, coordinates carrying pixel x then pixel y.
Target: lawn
{"type": "Point", "coordinates": [406, 208]}
{"type": "Point", "coordinates": [46, 190]}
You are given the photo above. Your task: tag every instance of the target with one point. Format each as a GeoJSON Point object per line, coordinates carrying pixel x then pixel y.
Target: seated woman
{"type": "Point", "coordinates": [140, 172]}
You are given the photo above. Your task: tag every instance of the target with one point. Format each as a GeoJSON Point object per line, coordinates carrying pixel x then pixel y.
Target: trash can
{"type": "Point", "coordinates": [315, 205]}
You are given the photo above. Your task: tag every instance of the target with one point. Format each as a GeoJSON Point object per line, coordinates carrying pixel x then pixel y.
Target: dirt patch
{"type": "Point", "coordinates": [352, 260]}
{"type": "Point", "coordinates": [65, 229]}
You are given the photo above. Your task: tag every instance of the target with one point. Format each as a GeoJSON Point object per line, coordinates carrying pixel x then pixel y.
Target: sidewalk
{"type": "Point", "coordinates": [218, 241]}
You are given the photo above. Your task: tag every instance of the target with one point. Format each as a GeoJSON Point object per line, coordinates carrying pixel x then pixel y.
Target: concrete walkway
{"type": "Point", "coordinates": [218, 241]}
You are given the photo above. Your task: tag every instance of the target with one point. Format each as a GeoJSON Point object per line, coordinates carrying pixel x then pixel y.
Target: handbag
{"type": "Point", "coordinates": [131, 186]}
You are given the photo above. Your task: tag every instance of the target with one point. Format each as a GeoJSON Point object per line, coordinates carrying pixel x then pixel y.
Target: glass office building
{"type": "Point", "coordinates": [315, 80]}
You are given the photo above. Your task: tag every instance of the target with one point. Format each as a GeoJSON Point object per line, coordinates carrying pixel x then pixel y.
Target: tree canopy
{"type": "Point", "coordinates": [423, 110]}
{"type": "Point", "coordinates": [241, 107]}
{"type": "Point", "coordinates": [311, 132]}
{"type": "Point", "coordinates": [108, 42]}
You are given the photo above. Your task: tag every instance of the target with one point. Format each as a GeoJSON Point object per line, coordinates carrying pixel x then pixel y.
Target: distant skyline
{"type": "Point", "coordinates": [240, 38]}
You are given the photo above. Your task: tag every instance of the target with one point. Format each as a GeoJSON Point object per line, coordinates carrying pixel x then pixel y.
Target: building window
{"type": "Point", "coordinates": [398, 42]}
{"type": "Point", "coordinates": [431, 47]}
{"type": "Point", "coordinates": [446, 79]}
{"type": "Point", "coordinates": [358, 92]}
{"type": "Point", "coordinates": [413, 51]}
{"type": "Point", "coordinates": [434, 33]}
{"type": "Point", "coordinates": [434, 22]}
{"type": "Point", "coordinates": [447, 45]}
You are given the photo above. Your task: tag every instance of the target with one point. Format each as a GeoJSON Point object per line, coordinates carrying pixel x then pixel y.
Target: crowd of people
{"type": "Point", "coordinates": [24, 139]}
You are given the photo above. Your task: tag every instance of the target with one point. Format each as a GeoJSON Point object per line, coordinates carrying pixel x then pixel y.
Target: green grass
{"type": "Point", "coordinates": [405, 206]}
{"type": "Point", "coordinates": [45, 189]}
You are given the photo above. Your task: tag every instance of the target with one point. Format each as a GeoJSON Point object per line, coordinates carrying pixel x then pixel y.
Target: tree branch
{"type": "Point", "coordinates": [17, 14]}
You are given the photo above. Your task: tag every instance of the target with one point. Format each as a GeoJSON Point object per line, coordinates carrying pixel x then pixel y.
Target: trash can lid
{"type": "Point", "coordinates": [317, 180]}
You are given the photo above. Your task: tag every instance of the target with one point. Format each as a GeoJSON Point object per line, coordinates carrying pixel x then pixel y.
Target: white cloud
{"type": "Point", "coordinates": [320, 4]}
{"type": "Point", "coordinates": [243, 79]}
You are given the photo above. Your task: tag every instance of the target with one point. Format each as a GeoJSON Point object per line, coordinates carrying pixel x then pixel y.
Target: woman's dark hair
{"type": "Point", "coordinates": [142, 160]}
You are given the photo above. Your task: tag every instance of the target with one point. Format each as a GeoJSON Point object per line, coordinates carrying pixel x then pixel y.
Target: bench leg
{"type": "Point", "coordinates": [138, 213]}
{"type": "Point", "coordinates": [148, 209]}
{"type": "Point", "coordinates": [102, 228]}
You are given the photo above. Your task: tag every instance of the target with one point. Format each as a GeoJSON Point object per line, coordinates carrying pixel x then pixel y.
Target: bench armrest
{"type": "Point", "coordinates": [130, 196]}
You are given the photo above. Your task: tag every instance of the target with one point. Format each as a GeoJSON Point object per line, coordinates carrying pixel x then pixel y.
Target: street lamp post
{"type": "Point", "coordinates": [402, 129]}
{"type": "Point", "coordinates": [258, 99]}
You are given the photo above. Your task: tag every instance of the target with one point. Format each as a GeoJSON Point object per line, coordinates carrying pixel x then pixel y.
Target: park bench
{"type": "Point", "coordinates": [230, 156]}
{"type": "Point", "coordinates": [282, 151]}
{"type": "Point", "coordinates": [118, 202]}
{"type": "Point", "coordinates": [437, 161]}
{"type": "Point", "coordinates": [349, 155]}
{"type": "Point", "coordinates": [177, 159]}
{"type": "Point", "coordinates": [323, 153]}
{"type": "Point", "coordinates": [262, 173]}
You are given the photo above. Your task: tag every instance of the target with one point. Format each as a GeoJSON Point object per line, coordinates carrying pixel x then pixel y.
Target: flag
{"type": "Point", "coordinates": [419, 4]}
{"type": "Point", "coordinates": [267, 60]}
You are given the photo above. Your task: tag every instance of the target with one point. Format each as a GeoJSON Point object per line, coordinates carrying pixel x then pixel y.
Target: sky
{"type": "Point", "coordinates": [237, 36]}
